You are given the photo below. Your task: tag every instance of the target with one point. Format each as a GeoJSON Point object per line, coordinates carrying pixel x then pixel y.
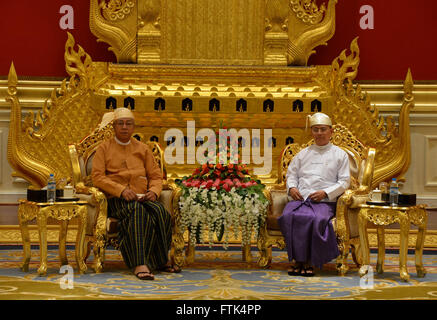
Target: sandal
{"type": "Point", "coordinates": [294, 270]}
{"type": "Point", "coordinates": [307, 272]}
{"type": "Point", "coordinates": [145, 275]}
{"type": "Point", "coordinates": [171, 268]}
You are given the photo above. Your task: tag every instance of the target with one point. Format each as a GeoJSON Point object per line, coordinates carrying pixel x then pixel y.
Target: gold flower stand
{"type": "Point", "coordinates": [62, 211]}
{"type": "Point", "coordinates": [381, 216]}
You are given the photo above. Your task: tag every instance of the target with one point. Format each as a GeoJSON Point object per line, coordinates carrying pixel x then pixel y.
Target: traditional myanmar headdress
{"type": "Point", "coordinates": [121, 113]}
{"type": "Point", "coordinates": [318, 118]}
{"type": "Point", "coordinates": [118, 113]}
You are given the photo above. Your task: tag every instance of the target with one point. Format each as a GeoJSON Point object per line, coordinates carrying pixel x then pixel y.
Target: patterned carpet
{"type": "Point", "coordinates": [216, 274]}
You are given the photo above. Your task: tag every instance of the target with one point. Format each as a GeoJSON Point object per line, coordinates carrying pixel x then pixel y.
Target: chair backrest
{"type": "Point", "coordinates": [361, 158]}
{"type": "Point", "coordinates": [82, 154]}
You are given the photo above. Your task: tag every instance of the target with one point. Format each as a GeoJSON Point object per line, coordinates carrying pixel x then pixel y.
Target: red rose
{"type": "Point", "coordinates": [227, 187]}
{"type": "Point", "coordinates": [245, 184]}
{"type": "Point", "coordinates": [204, 170]}
{"type": "Point", "coordinates": [229, 182]}
{"type": "Point", "coordinates": [209, 183]}
{"type": "Point", "coordinates": [195, 183]}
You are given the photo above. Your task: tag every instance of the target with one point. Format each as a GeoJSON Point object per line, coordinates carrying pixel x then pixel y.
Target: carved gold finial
{"type": "Point", "coordinates": [309, 27]}
{"type": "Point", "coordinates": [115, 22]}
{"type": "Point", "coordinates": [408, 86]}
{"type": "Point", "coordinates": [76, 62]}
{"type": "Point", "coordinates": [12, 80]}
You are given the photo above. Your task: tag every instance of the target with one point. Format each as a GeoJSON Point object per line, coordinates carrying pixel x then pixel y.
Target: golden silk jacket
{"type": "Point", "coordinates": [116, 167]}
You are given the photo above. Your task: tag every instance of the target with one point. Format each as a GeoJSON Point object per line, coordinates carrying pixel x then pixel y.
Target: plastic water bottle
{"type": "Point", "coordinates": [51, 188]}
{"type": "Point", "coordinates": [394, 192]}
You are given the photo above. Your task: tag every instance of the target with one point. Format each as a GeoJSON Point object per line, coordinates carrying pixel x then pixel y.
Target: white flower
{"type": "Point", "coordinates": [227, 210]}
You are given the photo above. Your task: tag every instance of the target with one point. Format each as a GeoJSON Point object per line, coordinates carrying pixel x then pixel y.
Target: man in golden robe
{"type": "Point", "coordinates": [125, 169]}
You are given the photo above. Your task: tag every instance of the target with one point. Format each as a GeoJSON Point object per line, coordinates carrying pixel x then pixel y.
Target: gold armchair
{"type": "Point", "coordinates": [81, 156]}
{"type": "Point", "coordinates": [345, 223]}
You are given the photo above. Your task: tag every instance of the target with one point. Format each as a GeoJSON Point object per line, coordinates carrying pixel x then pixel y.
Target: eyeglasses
{"type": "Point", "coordinates": [124, 123]}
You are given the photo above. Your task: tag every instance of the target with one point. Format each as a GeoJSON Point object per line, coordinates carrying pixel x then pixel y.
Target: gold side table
{"type": "Point", "coordinates": [382, 216]}
{"type": "Point", "coordinates": [63, 211]}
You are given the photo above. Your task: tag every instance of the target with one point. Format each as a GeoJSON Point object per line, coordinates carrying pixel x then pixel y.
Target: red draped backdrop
{"type": "Point", "coordinates": [404, 35]}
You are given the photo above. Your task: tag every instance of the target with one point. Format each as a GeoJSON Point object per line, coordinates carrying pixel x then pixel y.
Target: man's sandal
{"type": "Point", "coordinates": [307, 272]}
{"type": "Point", "coordinates": [294, 270]}
{"type": "Point", "coordinates": [144, 275]}
{"type": "Point", "coordinates": [171, 268]}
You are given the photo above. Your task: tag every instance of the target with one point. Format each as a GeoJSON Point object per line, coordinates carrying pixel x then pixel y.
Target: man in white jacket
{"type": "Point", "coordinates": [316, 176]}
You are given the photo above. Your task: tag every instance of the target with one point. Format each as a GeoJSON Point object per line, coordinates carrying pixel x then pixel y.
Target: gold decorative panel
{"type": "Point", "coordinates": [213, 32]}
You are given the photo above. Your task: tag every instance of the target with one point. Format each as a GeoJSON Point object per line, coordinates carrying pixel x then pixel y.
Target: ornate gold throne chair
{"type": "Point", "coordinates": [345, 223]}
{"type": "Point", "coordinates": [97, 233]}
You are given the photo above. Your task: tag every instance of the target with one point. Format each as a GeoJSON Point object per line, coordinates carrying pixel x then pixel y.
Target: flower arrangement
{"type": "Point", "coordinates": [218, 197]}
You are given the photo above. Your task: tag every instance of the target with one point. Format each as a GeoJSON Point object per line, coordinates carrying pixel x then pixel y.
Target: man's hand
{"type": "Point", "coordinates": [295, 194]}
{"type": "Point", "coordinates": [149, 196]}
{"type": "Point", "coordinates": [318, 196]}
{"type": "Point", "coordinates": [129, 195]}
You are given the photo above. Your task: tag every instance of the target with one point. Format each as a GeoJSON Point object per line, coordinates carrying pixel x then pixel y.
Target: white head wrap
{"type": "Point", "coordinates": [318, 118]}
{"type": "Point", "coordinates": [121, 113]}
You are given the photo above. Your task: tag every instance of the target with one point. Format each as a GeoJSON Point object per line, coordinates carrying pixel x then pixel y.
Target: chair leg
{"type": "Point", "coordinates": [99, 256]}
{"type": "Point", "coordinates": [265, 250]}
{"type": "Point", "coordinates": [88, 249]}
{"type": "Point", "coordinates": [356, 255]}
{"type": "Point", "coordinates": [342, 266]}
{"type": "Point", "coordinates": [177, 248]}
